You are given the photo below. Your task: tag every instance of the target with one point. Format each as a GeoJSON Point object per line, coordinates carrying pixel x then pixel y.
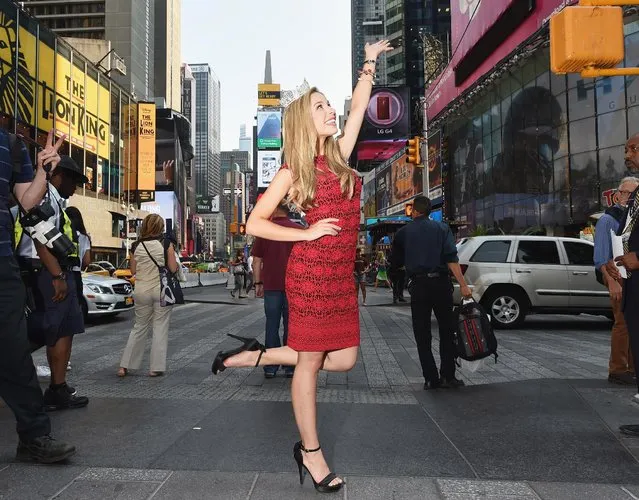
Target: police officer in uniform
{"type": "Point", "coordinates": [19, 385]}
{"type": "Point", "coordinates": [427, 249]}
{"type": "Point", "coordinates": [56, 317]}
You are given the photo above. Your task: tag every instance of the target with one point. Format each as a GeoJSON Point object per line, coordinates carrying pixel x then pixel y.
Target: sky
{"type": "Point", "coordinates": [307, 38]}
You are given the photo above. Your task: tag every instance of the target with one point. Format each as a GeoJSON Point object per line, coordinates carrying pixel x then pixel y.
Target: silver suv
{"type": "Point", "coordinates": [513, 276]}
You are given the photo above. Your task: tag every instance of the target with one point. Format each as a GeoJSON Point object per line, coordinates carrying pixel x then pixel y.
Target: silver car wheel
{"type": "Point", "coordinates": [505, 309]}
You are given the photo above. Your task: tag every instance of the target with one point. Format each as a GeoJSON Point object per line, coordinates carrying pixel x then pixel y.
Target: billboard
{"type": "Point", "coordinates": [434, 161]}
{"type": "Point", "coordinates": [387, 115]}
{"type": "Point", "coordinates": [207, 204]}
{"type": "Point", "coordinates": [369, 203]}
{"type": "Point", "coordinates": [146, 147]}
{"type": "Point", "coordinates": [444, 89]}
{"type": "Point", "coordinates": [268, 94]}
{"type": "Point", "coordinates": [383, 188]}
{"type": "Point", "coordinates": [407, 180]}
{"type": "Point", "coordinates": [269, 129]}
{"type": "Point", "coordinates": [63, 94]}
{"type": "Point", "coordinates": [268, 163]}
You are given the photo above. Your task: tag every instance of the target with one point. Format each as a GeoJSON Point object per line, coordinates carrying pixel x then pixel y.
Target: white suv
{"type": "Point", "coordinates": [513, 276]}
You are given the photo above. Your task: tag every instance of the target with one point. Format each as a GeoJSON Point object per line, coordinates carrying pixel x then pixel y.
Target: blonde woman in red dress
{"type": "Point", "coordinates": [323, 331]}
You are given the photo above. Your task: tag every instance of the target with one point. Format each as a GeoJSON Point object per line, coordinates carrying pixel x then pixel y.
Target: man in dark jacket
{"type": "Point", "coordinates": [427, 250]}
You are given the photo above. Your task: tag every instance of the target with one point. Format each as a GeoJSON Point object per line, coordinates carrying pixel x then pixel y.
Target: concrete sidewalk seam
{"type": "Point", "coordinates": [248, 497]}
{"type": "Point", "coordinates": [160, 485]}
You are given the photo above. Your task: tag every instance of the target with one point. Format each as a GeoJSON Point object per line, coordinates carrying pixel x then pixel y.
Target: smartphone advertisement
{"type": "Point", "coordinates": [268, 163]}
{"type": "Point", "coordinates": [269, 129]}
{"type": "Point", "coordinates": [387, 115]}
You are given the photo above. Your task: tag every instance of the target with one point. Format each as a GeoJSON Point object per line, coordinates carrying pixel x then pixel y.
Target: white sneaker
{"type": "Point", "coordinates": [364, 303]}
{"type": "Point", "coordinates": [43, 371]}
{"type": "Point", "coordinates": [635, 398]}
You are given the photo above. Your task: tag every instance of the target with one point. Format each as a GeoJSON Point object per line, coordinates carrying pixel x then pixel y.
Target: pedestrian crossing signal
{"type": "Point", "coordinates": [412, 151]}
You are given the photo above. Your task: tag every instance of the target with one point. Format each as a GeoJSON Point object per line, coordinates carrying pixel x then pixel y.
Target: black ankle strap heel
{"type": "Point", "coordinates": [324, 485]}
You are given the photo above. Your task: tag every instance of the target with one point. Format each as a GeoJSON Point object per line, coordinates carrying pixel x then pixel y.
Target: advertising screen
{"type": "Point", "coordinates": [383, 190]}
{"type": "Point", "coordinates": [407, 180]}
{"type": "Point", "coordinates": [434, 161]}
{"type": "Point", "coordinates": [207, 204]}
{"type": "Point", "coordinates": [268, 94]}
{"type": "Point", "coordinates": [368, 195]}
{"type": "Point", "coordinates": [269, 129]}
{"type": "Point", "coordinates": [387, 115]}
{"type": "Point", "coordinates": [146, 146]}
{"type": "Point", "coordinates": [268, 163]}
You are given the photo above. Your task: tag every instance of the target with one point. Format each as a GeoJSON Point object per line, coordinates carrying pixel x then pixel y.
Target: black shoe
{"type": "Point", "coordinates": [59, 398]}
{"type": "Point", "coordinates": [247, 345]}
{"type": "Point", "coordinates": [429, 384]}
{"type": "Point", "coordinates": [402, 299]}
{"type": "Point", "coordinates": [452, 383]}
{"type": "Point", "coordinates": [621, 378]}
{"type": "Point", "coordinates": [394, 301]}
{"type": "Point", "coordinates": [71, 390]}
{"type": "Point", "coordinates": [44, 449]}
{"type": "Point", "coordinates": [233, 294]}
{"type": "Point", "coordinates": [630, 430]}
{"type": "Point", "coordinates": [324, 485]}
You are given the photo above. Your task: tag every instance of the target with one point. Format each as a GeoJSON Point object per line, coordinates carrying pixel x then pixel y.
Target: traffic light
{"type": "Point", "coordinates": [412, 151]}
{"type": "Point", "coordinates": [242, 230]}
{"type": "Point", "coordinates": [233, 228]}
{"type": "Point", "coordinates": [587, 39]}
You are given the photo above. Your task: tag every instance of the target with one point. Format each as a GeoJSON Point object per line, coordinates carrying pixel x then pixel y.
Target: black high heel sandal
{"type": "Point", "coordinates": [324, 485]}
{"type": "Point", "coordinates": [247, 345]}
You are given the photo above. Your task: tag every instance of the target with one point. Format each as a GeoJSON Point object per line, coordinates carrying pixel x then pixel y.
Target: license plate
{"type": "Point", "coordinates": [128, 301]}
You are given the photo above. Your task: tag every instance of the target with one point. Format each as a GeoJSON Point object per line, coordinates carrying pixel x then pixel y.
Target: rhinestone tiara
{"type": "Point", "coordinates": [288, 96]}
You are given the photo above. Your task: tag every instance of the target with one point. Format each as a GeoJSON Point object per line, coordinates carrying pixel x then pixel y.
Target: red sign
{"type": "Point", "coordinates": [610, 197]}
{"type": "Point", "coordinates": [468, 29]}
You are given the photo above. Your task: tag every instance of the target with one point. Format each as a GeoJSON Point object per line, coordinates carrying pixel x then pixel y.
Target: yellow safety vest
{"type": "Point", "coordinates": [18, 231]}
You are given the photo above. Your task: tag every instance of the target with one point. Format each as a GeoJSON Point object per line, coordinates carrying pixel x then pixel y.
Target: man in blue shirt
{"type": "Point", "coordinates": [427, 250]}
{"type": "Point", "coordinates": [19, 385]}
{"type": "Point", "coordinates": [620, 366]}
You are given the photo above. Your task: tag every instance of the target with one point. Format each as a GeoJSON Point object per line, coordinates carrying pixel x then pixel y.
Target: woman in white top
{"type": "Point", "coordinates": [148, 312]}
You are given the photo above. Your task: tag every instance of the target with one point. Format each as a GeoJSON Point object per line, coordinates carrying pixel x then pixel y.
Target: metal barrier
{"type": "Point", "coordinates": [204, 279]}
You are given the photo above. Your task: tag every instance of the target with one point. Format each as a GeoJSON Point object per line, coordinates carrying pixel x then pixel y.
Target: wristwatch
{"type": "Point", "coordinates": [62, 276]}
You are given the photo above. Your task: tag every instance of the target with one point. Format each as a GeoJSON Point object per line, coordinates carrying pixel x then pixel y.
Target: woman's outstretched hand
{"type": "Point", "coordinates": [373, 50]}
{"type": "Point", "coordinates": [324, 227]}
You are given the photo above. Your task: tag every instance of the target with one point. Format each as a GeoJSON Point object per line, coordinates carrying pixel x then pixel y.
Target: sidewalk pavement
{"type": "Point", "coordinates": [541, 423]}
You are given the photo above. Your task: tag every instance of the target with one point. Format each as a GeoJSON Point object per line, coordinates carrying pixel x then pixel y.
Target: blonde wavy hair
{"type": "Point", "coordinates": [152, 226]}
{"type": "Point", "coordinates": [301, 148]}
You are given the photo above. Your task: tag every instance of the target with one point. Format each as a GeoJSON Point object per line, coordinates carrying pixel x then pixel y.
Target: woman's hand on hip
{"type": "Point", "coordinates": [324, 227]}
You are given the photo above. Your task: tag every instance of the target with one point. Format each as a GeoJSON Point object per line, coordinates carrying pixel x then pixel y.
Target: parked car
{"type": "Point", "coordinates": [513, 276]}
{"type": "Point", "coordinates": [105, 296]}
{"type": "Point", "coordinates": [96, 269]}
{"type": "Point", "coordinates": [106, 265]}
{"type": "Point", "coordinates": [124, 273]}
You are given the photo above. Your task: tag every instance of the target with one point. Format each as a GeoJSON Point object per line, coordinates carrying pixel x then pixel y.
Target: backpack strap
{"type": "Point", "coordinates": [150, 256]}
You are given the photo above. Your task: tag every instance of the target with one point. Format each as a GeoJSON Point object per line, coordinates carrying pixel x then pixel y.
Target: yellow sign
{"type": "Point", "coordinates": [268, 94]}
{"type": "Point", "coordinates": [52, 92]}
{"type": "Point", "coordinates": [146, 146]}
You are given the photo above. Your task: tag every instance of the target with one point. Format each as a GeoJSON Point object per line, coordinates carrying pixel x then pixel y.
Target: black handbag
{"type": "Point", "coordinates": [170, 289]}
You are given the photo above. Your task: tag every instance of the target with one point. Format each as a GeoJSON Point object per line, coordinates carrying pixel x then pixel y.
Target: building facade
{"type": "Point", "coordinates": [214, 234]}
{"type": "Point", "coordinates": [208, 130]}
{"type": "Point", "coordinates": [246, 144]}
{"type": "Point", "coordinates": [521, 148]}
{"type": "Point", "coordinates": [368, 25]}
{"type": "Point", "coordinates": [168, 53]}
{"type": "Point", "coordinates": [127, 24]}
{"type": "Point", "coordinates": [234, 194]}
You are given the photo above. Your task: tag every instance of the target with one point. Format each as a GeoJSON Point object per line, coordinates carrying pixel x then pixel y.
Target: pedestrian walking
{"type": "Point", "coordinates": [323, 310]}
{"type": "Point", "coordinates": [56, 318]}
{"type": "Point", "coordinates": [238, 268]}
{"type": "Point", "coordinates": [382, 270]}
{"type": "Point", "coordinates": [629, 231]}
{"type": "Point", "coordinates": [359, 274]}
{"type": "Point", "coordinates": [270, 259]}
{"type": "Point", "coordinates": [249, 274]}
{"type": "Point", "coordinates": [427, 249]}
{"type": "Point", "coordinates": [152, 251]}
{"type": "Point", "coordinates": [19, 386]}
{"type": "Point", "coordinates": [620, 367]}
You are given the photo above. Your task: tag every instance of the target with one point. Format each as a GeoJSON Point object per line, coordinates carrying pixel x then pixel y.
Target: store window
{"type": "Point", "coordinates": [582, 135]}
{"type": "Point", "coordinates": [583, 184]}
{"type": "Point", "coordinates": [612, 167]}
{"type": "Point", "coordinates": [611, 129]}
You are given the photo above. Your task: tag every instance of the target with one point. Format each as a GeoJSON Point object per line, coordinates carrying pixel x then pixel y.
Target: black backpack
{"type": "Point", "coordinates": [474, 338]}
{"type": "Point", "coordinates": [617, 213]}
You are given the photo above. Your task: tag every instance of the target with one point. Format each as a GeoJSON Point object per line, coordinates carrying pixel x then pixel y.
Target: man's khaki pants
{"type": "Point", "coordinates": [620, 355]}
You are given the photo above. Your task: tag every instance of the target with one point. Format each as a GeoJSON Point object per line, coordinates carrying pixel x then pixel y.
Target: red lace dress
{"type": "Point", "coordinates": [323, 312]}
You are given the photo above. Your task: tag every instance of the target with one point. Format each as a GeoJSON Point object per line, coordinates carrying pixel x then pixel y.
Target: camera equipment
{"type": "Point", "coordinates": [36, 224]}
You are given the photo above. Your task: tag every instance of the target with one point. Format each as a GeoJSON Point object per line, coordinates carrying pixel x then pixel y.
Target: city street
{"type": "Point", "coordinates": [541, 423]}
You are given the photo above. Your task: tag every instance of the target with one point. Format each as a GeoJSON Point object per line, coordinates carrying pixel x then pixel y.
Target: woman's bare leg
{"type": "Point", "coordinates": [334, 361]}
{"type": "Point", "coordinates": [363, 287]}
{"type": "Point", "coordinates": [304, 395]}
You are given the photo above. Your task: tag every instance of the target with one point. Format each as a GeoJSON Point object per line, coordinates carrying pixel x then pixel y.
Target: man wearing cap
{"type": "Point", "coordinates": [57, 316]}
